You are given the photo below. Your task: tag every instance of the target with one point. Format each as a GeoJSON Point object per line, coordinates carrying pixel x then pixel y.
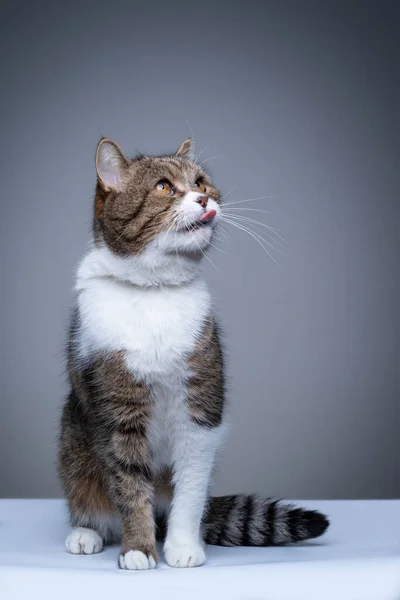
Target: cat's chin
{"type": "Point", "coordinates": [192, 239]}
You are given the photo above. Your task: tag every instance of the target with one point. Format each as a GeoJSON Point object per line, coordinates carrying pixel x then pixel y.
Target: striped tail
{"type": "Point", "coordinates": [252, 521]}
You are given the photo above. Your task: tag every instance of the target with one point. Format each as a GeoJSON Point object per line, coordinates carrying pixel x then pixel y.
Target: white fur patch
{"type": "Point", "coordinates": [191, 555]}
{"type": "Point", "coordinates": [157, 327]}
{"type": "Point", "coordinates": [189, 208]}
{"type": "Point", "coordinates": [135, 560]}
{"type": "Point", "coordinates": [193, 450]}
{"type": "Point", "coordinates": [190, 211]}
{"type": "Point", "coordinates": [83, 541]}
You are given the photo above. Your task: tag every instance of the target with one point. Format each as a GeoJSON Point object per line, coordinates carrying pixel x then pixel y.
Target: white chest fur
{"type": "Point", "coordinates": [156, 327]}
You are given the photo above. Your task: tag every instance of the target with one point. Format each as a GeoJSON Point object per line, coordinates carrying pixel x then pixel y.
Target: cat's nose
{"type": "Point", "coordinates": [202, 200]}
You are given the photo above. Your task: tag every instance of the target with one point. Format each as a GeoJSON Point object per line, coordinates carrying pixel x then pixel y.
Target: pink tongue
{"type": "Point", "coordinates": [208, 216]}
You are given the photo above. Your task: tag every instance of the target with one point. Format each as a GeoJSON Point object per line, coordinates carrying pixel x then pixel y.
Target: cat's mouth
{"type": "Point", "coordinates": [204, 221]}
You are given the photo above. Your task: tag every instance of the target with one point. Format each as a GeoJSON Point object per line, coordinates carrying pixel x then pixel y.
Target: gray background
{"type": "Point", "coordinates": [296, 101]}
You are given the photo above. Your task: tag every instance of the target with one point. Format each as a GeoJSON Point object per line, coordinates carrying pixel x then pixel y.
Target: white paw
{"type": "Point", "coordinates": [135, 560]}
{"type": "Point", "coordinates": [184, 555]}
{"type": "Point", "coordinates": [83, 541]}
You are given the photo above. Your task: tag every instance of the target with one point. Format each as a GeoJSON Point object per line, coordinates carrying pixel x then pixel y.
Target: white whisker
{"type": "Point", "coordinates": [211, 158]}
{"type": "Point", "coordinates": [249, 200]}
{"type": "Point", "coordinates": [227, 194]}
{"type": "Point", "coordinates": [260, 240]}
{"type": "Point", "coordinates": [225, 232]}
{"type": "Point", "coordinates": [192, 137]}
{"type": "Point", "coordinates": [177, 254]}
{"type": "Point", "coordinates": [270, 241]}
{"type": "Point", "coordinates": [199, 154]}
{"type": "Point", "coordinates": [216, 248]}
{"type": "Point", "coordinates": [267, 240]}
{"type": "Point", "coordinates": [220, 229]}
{"type": "Point", "coordinates": [267, 212]}
{"type": "Point", "coordinates": [256, 236]}
{"type": "Point", "coordinates": [249, 221]}
{"type": "Point", "coordinates": [205, 256]}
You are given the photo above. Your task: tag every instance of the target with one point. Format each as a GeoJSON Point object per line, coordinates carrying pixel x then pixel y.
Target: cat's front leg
{"type": "Point", "coordinates": [138, 550]}
{"type": "Point", "coordinates": [194, 452]}
{"type": "Point", "coordinates": [132, 488]}
{"type": "Point", "coordinates": [196, 437]}
{"type": "Point", "coordinates": [124, 407]}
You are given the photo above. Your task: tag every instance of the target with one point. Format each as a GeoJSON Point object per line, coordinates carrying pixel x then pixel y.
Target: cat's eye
{"type": "Point", "coordinates": [199, 183]}
{"type": "Point", "coordinates": [165, 188]}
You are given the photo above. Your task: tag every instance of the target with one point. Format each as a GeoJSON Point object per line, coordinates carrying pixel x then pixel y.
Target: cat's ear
{"type": "Point", "coordinates": [110, 165]}
{"type": "Point", "coordinates": [186, 150]}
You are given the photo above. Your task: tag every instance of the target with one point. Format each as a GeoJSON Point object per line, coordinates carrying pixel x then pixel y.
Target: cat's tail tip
{"type": "Point", "coordinates": [253, 521]}
{"type": "Point", "coordinates": [315, 523]}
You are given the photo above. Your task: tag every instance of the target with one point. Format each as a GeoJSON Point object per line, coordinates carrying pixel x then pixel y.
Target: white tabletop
{"type": "Point", "coordinates": [358, 558]}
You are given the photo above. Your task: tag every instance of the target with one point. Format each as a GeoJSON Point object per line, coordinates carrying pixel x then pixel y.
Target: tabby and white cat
{"type": "Point", "coordinates": [145, 415]}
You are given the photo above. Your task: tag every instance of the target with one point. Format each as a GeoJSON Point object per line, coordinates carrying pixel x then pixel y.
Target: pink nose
{"type": "Point", "coordinates": [202, 200]}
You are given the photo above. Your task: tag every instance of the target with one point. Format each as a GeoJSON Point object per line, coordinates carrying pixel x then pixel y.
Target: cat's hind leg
{"type": "Point", "coordinates": [90, 532]}
{"type": "Point", "coordinates": [92, 516]}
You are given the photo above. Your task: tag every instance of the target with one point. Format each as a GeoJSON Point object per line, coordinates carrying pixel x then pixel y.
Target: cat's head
{"type": "Point", "coordinates": [166, 205]}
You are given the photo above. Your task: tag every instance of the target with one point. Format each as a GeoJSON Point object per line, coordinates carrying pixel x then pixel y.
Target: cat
{"type": "Point", "coordinates": [146, 412]}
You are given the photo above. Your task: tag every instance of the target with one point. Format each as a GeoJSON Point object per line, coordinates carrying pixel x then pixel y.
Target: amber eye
{"type": "Point", "coordinates": [165, 188]}
{"type": "Point", "coordinates": [201, 186]}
